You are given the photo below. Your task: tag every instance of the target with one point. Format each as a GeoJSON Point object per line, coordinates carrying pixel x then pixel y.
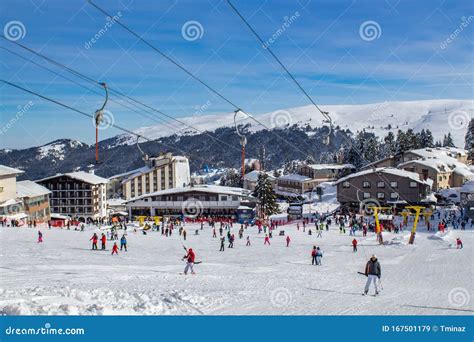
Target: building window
{"type": "Point", "coordinates": [223, 198]}
{"type": "Point", "coordinates": [346, 184]}
{"type": "Point", "coordinates": [235, 198]}
{"type": "Point", "coordinates": [394, 184]}
{"type": "Point", "coordinates": [393, 195]}
{"type": "Point", "coordinates": [380, 185]}
{"type": "Point", "coordinates": [413, 185]}
{"type": "Point", "coordinates": [366, 194]}
{"type": "Point", "coordinates": [380, 195]}
{"type": "Point", "coordinates": [366, 184]}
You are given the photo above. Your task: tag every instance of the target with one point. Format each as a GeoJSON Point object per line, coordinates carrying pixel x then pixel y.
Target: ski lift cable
{"type": "Point", "coordinates": [325, 114]}
{"type": "Point", "coordinates": [92, 117]}
{"type": "Point", "coordinates": [192, 75]}
{"type": "Point", "coordinates": [127, 98]}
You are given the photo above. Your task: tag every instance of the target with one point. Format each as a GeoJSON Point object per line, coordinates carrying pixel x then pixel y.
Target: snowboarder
{"type": "Point", "coordinates": [354, 245]}
{"type": "Point", "coordinates": [189, 261]}
{"type": "Point", "coordinates": [115, 249]}
{"type": "Point", "coordinates": [267, 240]}
{"type": "Point", "coordinates": [373, 271]}
{"type": "Point", "coordinates": [94, 239]}
{"type": "Point", "coordinates": [40, 236]}
{"type": "Point", "coordinates": [123, 243]}
{"type": "Point", "coordinates": [288, 241]}
{"type": "Point", "coordinates": [458, 243]}
{"type": "Point", "coordinates": [103, 239]}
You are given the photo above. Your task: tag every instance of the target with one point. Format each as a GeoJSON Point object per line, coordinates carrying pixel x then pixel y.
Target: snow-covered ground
{"type": "Point", "coordinates": [63, 276]}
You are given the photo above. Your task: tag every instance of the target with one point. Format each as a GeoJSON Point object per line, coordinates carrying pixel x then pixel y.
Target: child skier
{"type": "Point", "coordinates": [189, 261]}
{"type": "Point", "coordinates": [115, 249]}
{"type": "Point", "coordinates": [373, 271]}
{"type": "Point", "coordinates": [94, 239]}
{"type": "Point", "coordinates": [354, 245]}
{"type": "Point", "coordinates": [40, 236]}
{"type": "Point", "coordinates": [267, 240]}
{"type": "Point", "coordinates": [458, 243]}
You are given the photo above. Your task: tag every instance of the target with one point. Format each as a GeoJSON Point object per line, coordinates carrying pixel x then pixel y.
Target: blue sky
{"type": "Point", "coordinates": [410, 59]}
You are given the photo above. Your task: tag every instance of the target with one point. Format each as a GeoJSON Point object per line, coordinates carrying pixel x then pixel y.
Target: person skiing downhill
{"type": "Point", "coordinates": [354, 245]}
{"type": "Point", "coordinates": [103, 239]}
{"type": "Point", "coordinates": [40, 236]}
{"type": "Point", "coordinates": [373, 271]}
{"type": "Point", "coordinates": [288, 241]}
{"type": "Point", "coordinates": [190, 256]}
{"type": "Point", "coordinates": [222, 244]}
{"type": "Point", "coordinates": [94, 240]}
{"type": "Point", "coordinates": [248, 240]}
{"type": "Point", "coordinates": [115, 249]}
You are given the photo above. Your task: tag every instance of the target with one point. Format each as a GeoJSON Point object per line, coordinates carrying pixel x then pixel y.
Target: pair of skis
{"type": "Point", "coordinates": [380, 282]}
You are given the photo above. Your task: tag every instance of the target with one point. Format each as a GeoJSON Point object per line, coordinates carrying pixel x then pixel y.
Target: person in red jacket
{"type": "Point", "coordinates": [115, 249]}
{"type": "Point", "coordinates": [103, 239]}
{"type": "Point", "coordinates": [190, 256]}
{"type": "Point", "coordinates": [94, 239]}
{"type": "Point", "coordinates": [313, 256]}
{"type": "Point", "coordinates": [354, 245]}
{"type": "Point", "coordinates": [288, 241]}
{"type": "Point", "coordinates": [267, 240]}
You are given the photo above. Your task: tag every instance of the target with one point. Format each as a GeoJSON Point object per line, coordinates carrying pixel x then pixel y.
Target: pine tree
{"type": "Point", "coordinates": [448, 141]}
{"type": "Point", "coordinates": [469, 140]}
{"type": "Point", "coordinates": [266, 196]}
{"type": "Point", "coordinates": [426, 139]}
{"type": "Point", "coordinates": [232, 178]}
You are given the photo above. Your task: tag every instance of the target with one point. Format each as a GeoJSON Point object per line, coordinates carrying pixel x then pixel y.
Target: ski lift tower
{"type": "Point", "coordinates": [243, 142]}
{"type": "Point", "coordinates": [99, 115]}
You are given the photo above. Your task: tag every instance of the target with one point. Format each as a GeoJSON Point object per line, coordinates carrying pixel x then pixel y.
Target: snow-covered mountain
{"type": "Point", "coordinates": [439, 116]}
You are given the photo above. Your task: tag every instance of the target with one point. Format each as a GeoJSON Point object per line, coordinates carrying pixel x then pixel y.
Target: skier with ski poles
{"type": "Point", "coordinates": [123, 243]}
{"type": "Point", "coordinates": [190, 256]}
{"type": "Point", "coordinates": [94, 240]}
{"type": "Point", "coordinates": [373, 271]}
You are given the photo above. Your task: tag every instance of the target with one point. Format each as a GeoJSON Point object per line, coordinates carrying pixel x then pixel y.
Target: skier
{"type": "Point", "coordinates": [123, 243]}
{"type": "Point", "coordinates": [115, 249]}
{"type": "Point", "coordinates": [319, 255]}
{"type": "Point", "coordinates": [40, 236]}
{"type": "Point", "coordinates": [354, 245]}
{"type": "Point", "coordinates": [222, 244]}
{"type": "Point", "coordinates": [94, 239]}
{"type": "Point", "coordinates": [373, 271]}
{"type": "Point", "coordinates": [288, 241]}
{"type": "Point", "coordinates": [214, 233]}
{"type": "Point", "coordinates": [267, 240]}
{"type": "Point", "coordinates": [189, 261]}
{"type": "Point", "coordinates": [313, 256]}
{"type": "Point", "coordinates": [248, 240]}
{"type": "Point", "coordinates": [184, 234]}
{"type": "Point", "coordinates": [458, 243]}
{"type": "Point", "coordinates": [103, 239]}
{"type": "Point", "coordinates": [231, 241]}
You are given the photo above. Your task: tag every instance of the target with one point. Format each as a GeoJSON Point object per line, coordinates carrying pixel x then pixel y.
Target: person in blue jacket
{"type": "Point", "coordinates": [123, 243]}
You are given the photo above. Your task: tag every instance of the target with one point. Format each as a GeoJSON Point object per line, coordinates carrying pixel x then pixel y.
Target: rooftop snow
{"type": "Point", "coordinates": [330, 166]}
{"type": "Point", "coordinates": [389, 170]}
{"type": "Point", "coordinates": [6, 171]}
{"type": "Point", "coordinates": [82, 176]}
{"type": "Point", "coordinates": [30, 189]}
{"type": "Point", "coordinates": [294, 177]}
